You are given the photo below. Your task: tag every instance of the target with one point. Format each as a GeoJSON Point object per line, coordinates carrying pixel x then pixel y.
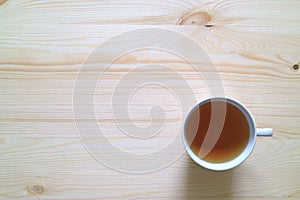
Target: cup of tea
{"type": "Point", "coordinates": [220, 133]}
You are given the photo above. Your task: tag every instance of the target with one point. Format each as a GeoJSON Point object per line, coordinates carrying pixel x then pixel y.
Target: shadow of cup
{"type": "Point", "coordinates": [202, 183]}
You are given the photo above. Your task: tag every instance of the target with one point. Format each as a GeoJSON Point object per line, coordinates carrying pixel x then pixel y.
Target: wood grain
{"type": "Point", "coordinates": [254, 46]}
{"type": "Point", "coordinates": [51, 164]}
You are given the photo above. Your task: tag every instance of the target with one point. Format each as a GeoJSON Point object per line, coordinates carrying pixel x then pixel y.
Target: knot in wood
{"type": "Point", "coordinates": [199, 18]}
{"type": "Point", "coordinates": [296, 67]}
{"type": "Point", "coordinates": [36, 189]}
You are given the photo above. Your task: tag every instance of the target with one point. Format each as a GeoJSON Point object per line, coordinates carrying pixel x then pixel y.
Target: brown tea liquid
{"type": "Point", "coordinates": [234, 135]}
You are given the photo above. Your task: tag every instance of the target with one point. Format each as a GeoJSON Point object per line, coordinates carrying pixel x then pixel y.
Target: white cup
{"type": "Point", "coordinates": [247, 150]}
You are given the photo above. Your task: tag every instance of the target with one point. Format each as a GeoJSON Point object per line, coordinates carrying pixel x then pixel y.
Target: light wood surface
{"type": "Point", "coordinates": [253, 44]}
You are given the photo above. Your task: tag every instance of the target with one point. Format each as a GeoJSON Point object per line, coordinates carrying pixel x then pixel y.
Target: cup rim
{"type": "Point", "coordinates": [242, 156]}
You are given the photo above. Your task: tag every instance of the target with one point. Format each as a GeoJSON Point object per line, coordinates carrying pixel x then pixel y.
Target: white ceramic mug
{"type": "Point", "coordinates": [253, 132]}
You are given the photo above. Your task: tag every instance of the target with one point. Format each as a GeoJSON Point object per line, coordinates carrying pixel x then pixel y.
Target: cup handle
{"type": "Point", "coordinates": [264, 132]}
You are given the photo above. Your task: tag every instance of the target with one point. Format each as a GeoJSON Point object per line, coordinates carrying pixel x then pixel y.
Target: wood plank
{"type": "Point", "coordinates": [245, 13]}
{"type": "Point", "coordinates": [62, 167]}
{"type": "Point", "coordinates": [267, 82]}
{"type": "Point", "coordinates": [71, 45]}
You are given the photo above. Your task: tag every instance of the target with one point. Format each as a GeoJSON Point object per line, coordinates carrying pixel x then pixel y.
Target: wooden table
{"type": "Point", "coordinates": [255, 46]}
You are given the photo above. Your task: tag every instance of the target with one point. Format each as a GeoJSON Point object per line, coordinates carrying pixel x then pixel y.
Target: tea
{"type": "Point", "coordinates": [233, 138]}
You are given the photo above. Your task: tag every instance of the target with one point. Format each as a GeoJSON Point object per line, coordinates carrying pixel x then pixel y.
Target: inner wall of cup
{"type": "Point", "coordinates": [242, 156]}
